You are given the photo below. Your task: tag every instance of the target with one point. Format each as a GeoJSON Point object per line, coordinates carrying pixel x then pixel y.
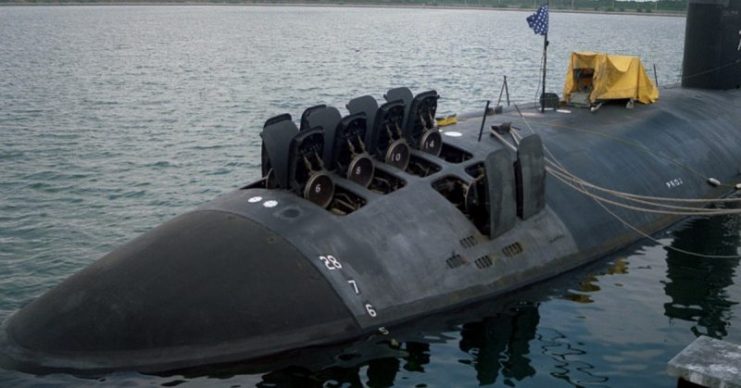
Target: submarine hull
{"type": "Point", "coordinates": [258, 271]}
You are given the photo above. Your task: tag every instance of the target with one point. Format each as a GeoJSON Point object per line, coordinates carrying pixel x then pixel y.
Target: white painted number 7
{"type": "Point", "coordinates": [354, 286]}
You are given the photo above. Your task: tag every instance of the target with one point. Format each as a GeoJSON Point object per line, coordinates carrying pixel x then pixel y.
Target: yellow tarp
{"type": "Point", "coordinates": [614, 77]}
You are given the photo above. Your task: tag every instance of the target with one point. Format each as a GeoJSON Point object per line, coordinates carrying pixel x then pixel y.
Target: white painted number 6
{"type": "Point", "coordinates": [370, 310]}
{"type": "Point", "coordinates": [330, 262]}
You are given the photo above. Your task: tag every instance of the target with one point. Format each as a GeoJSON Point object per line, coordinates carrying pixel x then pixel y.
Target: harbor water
{"type": "Point", "coordinates": [114, 119]}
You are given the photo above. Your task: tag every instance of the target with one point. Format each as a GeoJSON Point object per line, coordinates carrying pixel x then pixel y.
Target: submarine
{"type": "Point", "coordinates": [362, 222]}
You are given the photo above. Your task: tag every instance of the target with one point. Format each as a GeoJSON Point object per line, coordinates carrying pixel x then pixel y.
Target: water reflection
{"type": "Point", "coordinates": [589, 283]}
{"type": "Point", "coordinates": [374, 363]}
{"type": "Point", "coordinates": [698, 286]}
{"type": "Point", "coordinates": [382, 372]}
{"type": "Point", "coordinates": [568, 359]}
{"type": "Point", "coordinates": [502, 343]}
{"type": "Point", "coordinates": [496, 346]}
{"type": "Point", "coordinates": [494, 342]}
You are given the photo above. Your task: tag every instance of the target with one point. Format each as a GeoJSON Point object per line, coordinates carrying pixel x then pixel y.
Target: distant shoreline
{"type": "Point", "coordinates": [329, 5]}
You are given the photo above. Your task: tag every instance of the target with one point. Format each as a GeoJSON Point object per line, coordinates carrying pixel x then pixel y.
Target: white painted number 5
{"type": "Point", "coordinates": [330, 262]}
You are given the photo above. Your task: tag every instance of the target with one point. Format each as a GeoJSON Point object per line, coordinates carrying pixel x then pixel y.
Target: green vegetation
{"type": "Point", "coordinates": [616, 6]}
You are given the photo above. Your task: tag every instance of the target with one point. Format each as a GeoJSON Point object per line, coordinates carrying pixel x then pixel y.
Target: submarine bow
{"type": "Point", "coordinates": [205, 286]}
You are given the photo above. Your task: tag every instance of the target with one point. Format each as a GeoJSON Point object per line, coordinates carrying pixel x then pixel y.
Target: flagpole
{"type": "Point", "coordinates": [539, 23]}
{"type": "Point", "coordinates": [545, 62]}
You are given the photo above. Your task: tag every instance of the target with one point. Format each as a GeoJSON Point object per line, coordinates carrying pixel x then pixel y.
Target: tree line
{"type": "Point", "coordinates": [664, 6]}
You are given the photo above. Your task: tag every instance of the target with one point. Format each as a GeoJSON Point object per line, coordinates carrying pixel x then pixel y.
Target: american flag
{"type": "Point", "coordinates": [539, 20]}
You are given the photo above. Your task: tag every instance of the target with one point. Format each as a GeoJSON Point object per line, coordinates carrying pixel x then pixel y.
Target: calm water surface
{"type": "Point", "coordinates": [114, 119]}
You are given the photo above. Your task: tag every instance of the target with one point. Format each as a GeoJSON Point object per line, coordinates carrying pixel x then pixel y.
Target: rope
{"type": "Point", "coordinates": [565, 177]}
{"type": "Point", "coordinates": [628, 196]}
{"type": "Point", "coordinates": [717, 68]}
{"type": "Point", "coordinates": [571, 180]}
{"type": "Point", "coordinates": [664, 245]}
{"type": "Point", "coordinates": [643, 198]}
{"type": "Point", "coordinates": [697, 212]}
{"type": "Point", "coordinates": [630, 143]}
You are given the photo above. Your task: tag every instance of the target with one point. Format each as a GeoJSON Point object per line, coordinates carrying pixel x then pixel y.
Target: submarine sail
{"type": "Point", "coordinates": [375, 218]}
{"type": "Point", "coordinates": [712, 46]}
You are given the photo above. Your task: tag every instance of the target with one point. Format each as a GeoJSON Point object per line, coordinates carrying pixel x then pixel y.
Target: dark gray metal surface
{"type": "Point", "coordinates": [208, 285]}
{"type": "Point", "coordinates": [500, 177]}
{"type": "Point", "coordinates": [530, 173]}
{"type": "Point", "coordinates": [277, 136]}
{"type": "Point", "coordinates": [712, 52]}
{"type": "Point", "coordinates": [668, 150]}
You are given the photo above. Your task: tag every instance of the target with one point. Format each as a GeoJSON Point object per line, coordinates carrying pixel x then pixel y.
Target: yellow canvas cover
{"type": "Point", "coordinates": [613, 77]}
